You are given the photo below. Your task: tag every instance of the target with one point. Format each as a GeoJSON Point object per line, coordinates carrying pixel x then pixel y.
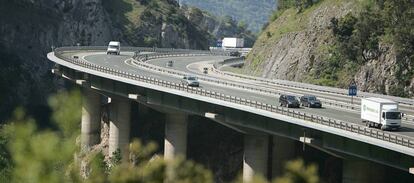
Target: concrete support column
{"type": "Point", "coordinates": [175, 143]}
{"type": "Point", "coordinates": [255, 156]}
{"type": "Point", "coordinates": [119, 126]}
{"type": "Point", "coordinates": [142, 109]}
{"type": "Point", "coordinates": [283, 150]}
{"type": "Point", "coordinates": [91, 119]}
{"type": "Point", "coordinates": [357, 170]}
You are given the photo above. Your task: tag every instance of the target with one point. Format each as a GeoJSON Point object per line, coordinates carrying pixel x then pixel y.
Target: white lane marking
{"type": "Point", "coordinates": [334, 107]}
{"type": "Point", "coordinates": [259, 98]}
{"type": "Point", "coordinates": [189, 68]}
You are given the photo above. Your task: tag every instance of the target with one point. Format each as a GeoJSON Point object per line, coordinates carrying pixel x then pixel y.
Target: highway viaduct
{"type": "Point", "coordinates": [242, 103]}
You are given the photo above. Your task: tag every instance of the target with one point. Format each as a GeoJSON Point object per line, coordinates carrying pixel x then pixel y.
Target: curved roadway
{"type": "Point", "coordinates": [186, 64]}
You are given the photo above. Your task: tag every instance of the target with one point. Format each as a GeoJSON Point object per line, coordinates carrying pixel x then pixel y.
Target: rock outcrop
{"type": "Point", "coordinates": [30, 28]}
{"type": "Point", "coordinates": [296, 45]}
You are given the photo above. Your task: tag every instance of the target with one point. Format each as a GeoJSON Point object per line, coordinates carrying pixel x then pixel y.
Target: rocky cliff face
{"type": "Point", "coordinates": [380, 74]}
{"type": "Point", "coordinates": [293, 54]}
{"type": "Point", "coordinates": [30, 28]}
{"type": "Point", "coordinates": [297, 45]}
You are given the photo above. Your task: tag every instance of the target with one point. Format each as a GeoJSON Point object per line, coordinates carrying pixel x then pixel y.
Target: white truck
{"type": "Point", "coordinates": [114, 47]}
{"type": "Point", "coordinates": [231, 42]}
{"type": "Point", "coordinates": [381, 113]}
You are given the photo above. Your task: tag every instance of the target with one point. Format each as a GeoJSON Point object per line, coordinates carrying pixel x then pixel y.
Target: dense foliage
{"type": "Point", "coordinates": [252, 13]}
{"type": "Point", "coordinates": [222, 26]}
{"type": "Point", "coordinates": [29, 154]}
{"type": "Point", "coordinates": [363, 37]}
{"type": "Point", "coordinates": [140, 22]}
{"type": "Point", "coordinates": [299, 4]}
{"type": "Point", "coordinates": [18, 88]}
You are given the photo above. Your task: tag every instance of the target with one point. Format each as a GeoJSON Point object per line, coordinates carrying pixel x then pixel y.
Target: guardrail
{"type": "Point", "coordinates": [358, 129]}
{"type": "Point", "coordinates": [238, 60]}
{"type": "Point", "coordinates": [142, 64]}
{"type": "Point", "coordinates": [145, 57]}
{"type": "Point", "coordinates": [325, 89]}
{"type": "Point", "coordinates": [286, 83]}
{"type": "Point", "coordinates": [129, 49]}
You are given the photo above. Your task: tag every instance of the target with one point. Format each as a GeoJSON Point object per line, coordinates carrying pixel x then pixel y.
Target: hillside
{"type": "Point", "coordinates": [253, 13]}
{"type": "Point", "coordinates": [158, 23]}
{"type": "Point", "coordinates": [332, 42]}
{"type": "Point", "coordinates": [217, 27]}
{"type": "Point", "coordinates": [30, 28]}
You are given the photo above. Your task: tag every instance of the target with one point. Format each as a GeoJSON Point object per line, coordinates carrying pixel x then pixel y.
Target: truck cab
{"type": "Point", "coordinates": [391, 119]}
{"type": "Point", "coordinates": [114, 47]}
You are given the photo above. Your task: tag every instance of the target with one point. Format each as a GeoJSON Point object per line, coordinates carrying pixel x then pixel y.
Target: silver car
{"type": "Point", "coordinates": [190, 81]}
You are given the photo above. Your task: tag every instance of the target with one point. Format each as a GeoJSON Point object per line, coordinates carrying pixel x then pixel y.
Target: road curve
{"type": "Point", "coordinates": [123, 63]}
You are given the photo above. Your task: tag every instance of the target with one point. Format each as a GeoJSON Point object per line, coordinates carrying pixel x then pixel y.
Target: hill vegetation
{"type": "Point", "coordinates": [252, 13]}
{"type": "Point", "coordinates": [332, 42]}
{"type": "Point", "coordinates": [219, 27]}
{"type": "Point", "coordinates": [158, 23]}
{"type": "Point", "coordinates": [363, 37]}
{"type": "Point", "coordinates": [31, 154]}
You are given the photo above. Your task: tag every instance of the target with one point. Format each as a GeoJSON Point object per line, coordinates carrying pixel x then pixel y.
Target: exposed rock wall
{"type": "Point", "coordinates": [30, 28]}
{"type": "Point", "coordinates": [294, 54]}
{"type": "Point", "coordinates": [295, 45]}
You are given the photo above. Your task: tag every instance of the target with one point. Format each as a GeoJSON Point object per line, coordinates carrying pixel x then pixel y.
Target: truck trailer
{"type": "Point", "coordinates": [381, 113]}
{"type": "Point", "coordinates": [231, 42]}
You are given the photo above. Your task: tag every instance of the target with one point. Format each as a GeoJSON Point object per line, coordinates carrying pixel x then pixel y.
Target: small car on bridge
{"type": "Point", "coordinates": [289, 101]}
{"type": "Point", "coordinates": [235, 54]}
{"type": "Point", "coordinates": [310, 101]}
{"type": "Point", "coordinates": [169, 63]}
{"type": "Point", "coordinates": [190, 80]}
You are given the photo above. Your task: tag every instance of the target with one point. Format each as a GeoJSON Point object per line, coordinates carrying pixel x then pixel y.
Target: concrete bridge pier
{"type": "Point", "coordinates": [255, 158]}
{"type": "Point", "coordinates": [175, 143]}
{"type": "Point", "coordinates": [91, 119]}
{"type": "Point", "coordinates": [357, 170]}
{"type": "Point", "coordinates": [120, 125]}
{"type": "Point", "coordinates": [283, 150]}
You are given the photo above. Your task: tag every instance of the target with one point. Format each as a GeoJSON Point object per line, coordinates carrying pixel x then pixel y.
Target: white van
{"type": "Point", "coordinates": [114, 47]}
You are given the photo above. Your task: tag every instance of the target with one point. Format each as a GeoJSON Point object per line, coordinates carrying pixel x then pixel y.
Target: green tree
{"type": "Point", "coordinates": [47, 156]}
{"type": "Point", "coordinates": [297, 172]}
{"type": "Point", "coordinates": [5, 159]}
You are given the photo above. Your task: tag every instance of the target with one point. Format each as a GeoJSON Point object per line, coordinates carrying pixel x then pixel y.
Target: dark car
{"type": "Point", "coordinates": [310, 101]}
{"type": "Point", "coordinates": [288, 101]}
{"type": "Point", "coordinates": [170, 63]}
{"type": "Point", "coordinates": [235, 54]}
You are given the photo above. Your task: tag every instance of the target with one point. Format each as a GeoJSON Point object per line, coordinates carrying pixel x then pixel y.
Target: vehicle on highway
{"type": "Point", "coordinates": [114, 47]}
{"type": "Point", "coordinates": [235, 54]}
{"type": "Point", "coordinates": [190, 80]}
{"type": "Point", "coordinates": [381, 113]}
{"type": "Point", "coordinates": [232, 42]}
{"type": "Point", "coordinates": [205, 70]}
{"type": "Point", "coordinates": [169, 63]}
{"type": "Point", "coordinates": [310, 101]}
{"type": "Point", "coordinates": [289, 101]}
